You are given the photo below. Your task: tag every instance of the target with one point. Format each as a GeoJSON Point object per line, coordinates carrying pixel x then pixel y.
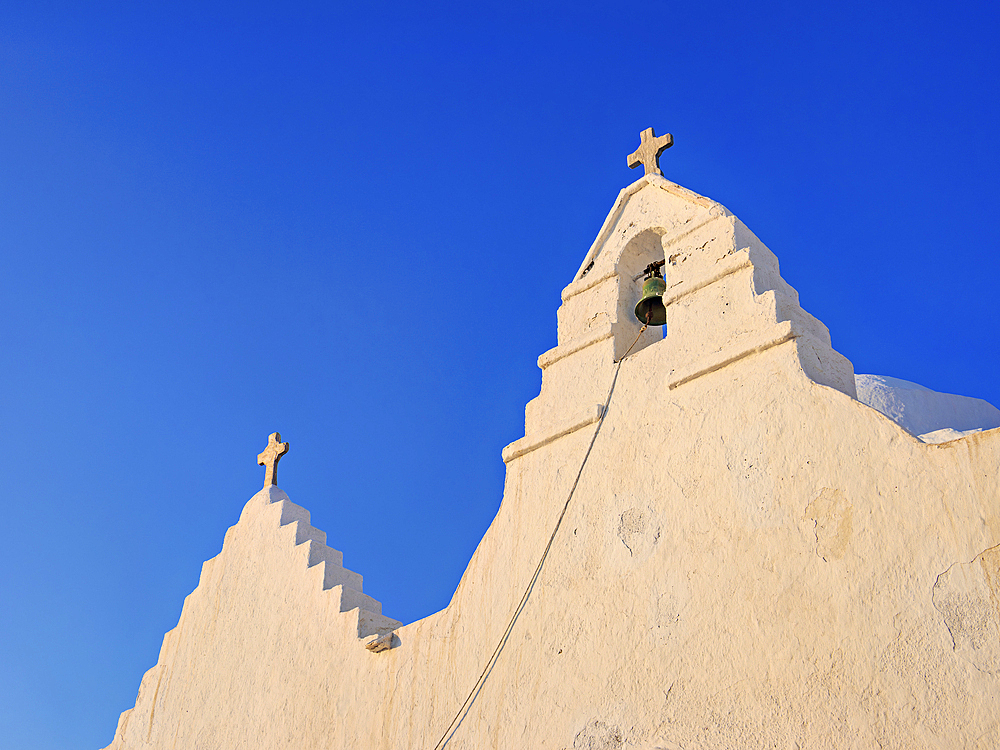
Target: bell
{"type": "Point", "coordinates": [650, 309]}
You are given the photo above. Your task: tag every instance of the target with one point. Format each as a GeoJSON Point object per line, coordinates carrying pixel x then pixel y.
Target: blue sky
{"type": "Point", "coordinates": [352, 223]}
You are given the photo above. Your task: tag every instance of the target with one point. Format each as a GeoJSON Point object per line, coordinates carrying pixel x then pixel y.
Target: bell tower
{"type": "Point", "coordinates": [725, 300]}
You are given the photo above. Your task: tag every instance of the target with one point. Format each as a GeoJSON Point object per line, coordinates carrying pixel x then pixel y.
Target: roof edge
{"type": "Point", "coordinates": [619, 206]}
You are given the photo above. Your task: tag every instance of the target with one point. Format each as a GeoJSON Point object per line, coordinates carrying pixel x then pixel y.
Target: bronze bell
{"type": "Point", "coordinates": [650, 309]}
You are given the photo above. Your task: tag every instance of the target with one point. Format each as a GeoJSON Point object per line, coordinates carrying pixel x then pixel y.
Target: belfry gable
{"type": "Point", "coordinates": [725, 300]}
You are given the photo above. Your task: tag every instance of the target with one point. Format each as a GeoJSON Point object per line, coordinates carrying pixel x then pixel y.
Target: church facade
{"type": "Point", "coordinates": [706, 541]}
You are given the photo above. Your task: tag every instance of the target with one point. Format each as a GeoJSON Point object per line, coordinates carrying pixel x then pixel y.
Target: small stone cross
{"type": "Point", "coordinates": [648, 153]}
{"type": "Point", "coordinates": [272, 454]}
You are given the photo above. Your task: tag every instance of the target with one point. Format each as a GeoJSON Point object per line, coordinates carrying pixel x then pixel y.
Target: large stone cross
{"type": "Point", "coordinates": [272, 454]}
{"type": "Point", "coordinates": [648, 153]}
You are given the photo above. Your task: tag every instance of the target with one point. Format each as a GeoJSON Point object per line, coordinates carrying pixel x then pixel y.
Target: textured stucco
{"type": "Point", "coordinates": [752, 559]}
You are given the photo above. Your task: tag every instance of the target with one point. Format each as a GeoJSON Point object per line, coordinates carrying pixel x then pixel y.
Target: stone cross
{"type": "Point", "coordinates": [272, 454]}
{"type": "Point", "coordinates": [648, 153]}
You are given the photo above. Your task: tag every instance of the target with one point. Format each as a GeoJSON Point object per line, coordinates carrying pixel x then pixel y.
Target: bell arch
{"type": "Point", "coordinates": [642, 250]}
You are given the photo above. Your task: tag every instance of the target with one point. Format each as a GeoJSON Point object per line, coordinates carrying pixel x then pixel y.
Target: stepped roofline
{"type": "Point", "coordinates": [725, 301]}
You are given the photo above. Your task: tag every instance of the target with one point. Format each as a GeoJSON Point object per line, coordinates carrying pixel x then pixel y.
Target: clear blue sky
{"type": "Point", "coordinates": [351, 223]}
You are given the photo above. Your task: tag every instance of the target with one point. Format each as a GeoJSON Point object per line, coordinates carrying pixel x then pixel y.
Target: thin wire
{"type": "Point", "coordinates": [478, 686]}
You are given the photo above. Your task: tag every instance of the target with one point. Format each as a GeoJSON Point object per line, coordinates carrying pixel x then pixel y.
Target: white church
{"type": "Point", "coordinates": [714, 535]}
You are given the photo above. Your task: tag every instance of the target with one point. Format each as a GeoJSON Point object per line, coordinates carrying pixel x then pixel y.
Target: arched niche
{"type": "Point", "coordinates": [638, 253]}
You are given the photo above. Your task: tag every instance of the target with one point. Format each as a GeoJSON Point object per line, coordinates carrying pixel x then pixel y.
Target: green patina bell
{"type": "Point", "coordinates": [650, 309]}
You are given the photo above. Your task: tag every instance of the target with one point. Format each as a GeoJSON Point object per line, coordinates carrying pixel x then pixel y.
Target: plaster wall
{"type": "Point", "coordinates": [752, 557]}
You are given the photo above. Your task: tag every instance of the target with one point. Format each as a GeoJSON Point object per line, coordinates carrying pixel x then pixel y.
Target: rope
{"type": "Point", "coordinates": [619, 361]}
{"type": "Point", "coordinates": [491, 662]}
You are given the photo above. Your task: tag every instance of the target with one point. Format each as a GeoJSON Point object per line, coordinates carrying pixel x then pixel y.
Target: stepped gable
{"type": "Point", "coordinates": [725, 301]}
{"type": "Point", "coordinates": [275, 582]}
